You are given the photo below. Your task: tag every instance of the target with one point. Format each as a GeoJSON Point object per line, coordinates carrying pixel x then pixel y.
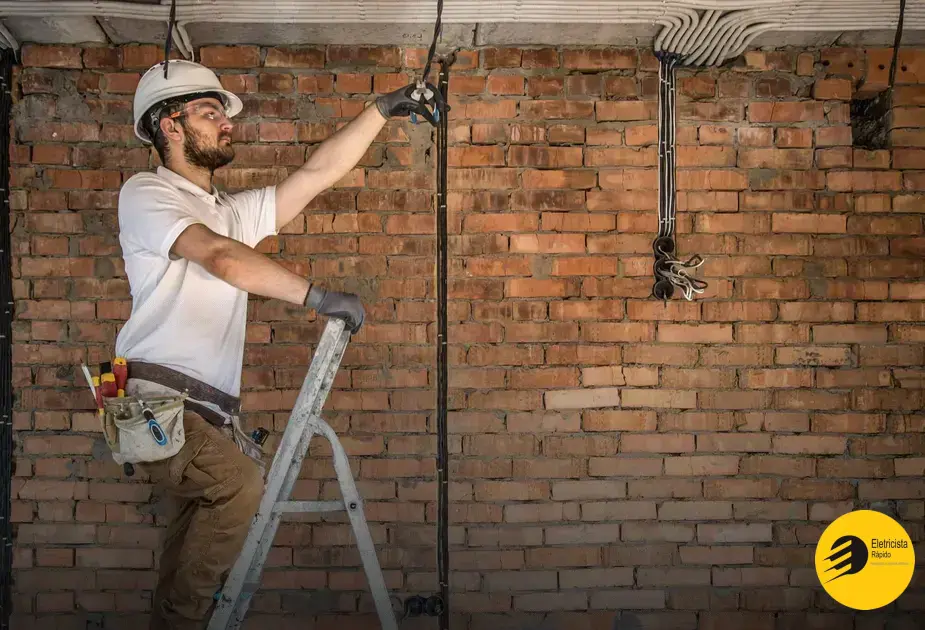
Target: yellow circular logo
{"type": "Point", "coordinates": [865, 560]}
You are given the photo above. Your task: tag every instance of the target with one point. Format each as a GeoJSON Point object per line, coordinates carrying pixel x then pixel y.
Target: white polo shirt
{"type": "Point", "coordinates": [183, 317]}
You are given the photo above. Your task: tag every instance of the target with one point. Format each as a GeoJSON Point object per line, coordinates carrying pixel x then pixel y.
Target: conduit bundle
{"type": "Point", "coordinates": [703, 32]}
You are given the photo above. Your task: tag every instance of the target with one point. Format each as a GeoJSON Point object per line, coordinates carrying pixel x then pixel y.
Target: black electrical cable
{"type": "Point", "coordinates": [899, 36]}
{"type": "Point", "coordinates": [433, 44]}
{"type": "Point", "coordinates": [171, 24]}
{"type": "Point", "coordinates": [6, 355]}
{"type": "Point", "coordinates": [443, 518]}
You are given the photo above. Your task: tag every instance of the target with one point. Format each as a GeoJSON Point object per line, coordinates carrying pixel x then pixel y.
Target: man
{"type": "Point", "coordinates": [190, 261]}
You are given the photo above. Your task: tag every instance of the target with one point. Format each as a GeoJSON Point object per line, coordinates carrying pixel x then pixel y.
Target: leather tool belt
{"type": "Point", "coordinates": [194, 388]}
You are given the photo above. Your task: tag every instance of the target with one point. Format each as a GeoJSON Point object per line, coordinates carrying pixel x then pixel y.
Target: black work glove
{"type": "Point", "coordinates": [400, 102]}
{"type": "Point", "coordinates": [345, 306]}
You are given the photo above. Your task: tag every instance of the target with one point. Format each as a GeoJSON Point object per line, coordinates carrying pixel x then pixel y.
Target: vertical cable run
{"type": "Point", "coordinates": [443, 535]}
{"type": "Point", "coordinates": [6, 340]}
{"type": "Point", "coordinates": [897, 39]}
{"type": "Point", "coordinates": [669, 272]}
{"type": "Point", "coordinates": [438, 26]}
{"type": "Point", "coordinates": [171, 25]}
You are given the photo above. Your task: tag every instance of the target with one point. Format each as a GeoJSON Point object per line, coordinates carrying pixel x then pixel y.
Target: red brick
{"type": "Point", "coordinates": [120, 82]}
{"type": "Point", "coordinates": [769, 60]}
{"type": "Point", "coordinates": [540, 58]}
{"type": "Point", "coordinates": [833, 89]}
{"type": "Point", "coordinates": [711, 180]}
{"type": "Point", "coordinates": [908, 137]}
{"type": "Point", "coordinates": [794, 137]}
{"type": "Point", "coordinates": [833, 158]}
{"type": "Point", "coordinates": [776, 158]}
{"type": "Point", "coordinates": [641, 135]}
{"type": "Point", "coordinates": [723, 111]}
{"type": "Point", "coordinates": [732, 223]}
{"type": "Point", "coordinates": [601, 59]}
{"type": "Point", "coordinates": [777, 378]}
{"type": "Point", "coordinates": [581, 398]}
{"type": "Point", "coordinates": [230, 56]}
{"type": "Point", "coordinates": [573, 222]}
{"type": "Point", "coordinates": [545, 86]}
{"type": "Point", "coordinates": [809, 223]}
{"type": "Point", "coordinates": [497, 84]}
{"type": "Point", "coordinates": [863, 180]}
{"type": "Point", "coordinates": [143, 56]}
{"type": "Point", "coordinates": [785, 112]}
{"type": "Point", "coordinates": [43, 56]}
{"type": "Point", "coordinates": [550, 110]}
{"type": "Point", "coordinates": [549, 243]}
{"type": "Point", "coordinates": [625, 110]}
{"type": "Point", "coordinates": [563, 157]}
{"type": "Point", "coordinates": [695, 333]}
{"type": "Point", "coordinates": [104, 58]}
{"type": "Point", "coordinates": [620, 86]}
{"type": "Point", "coordinates": [364, 56]}
{"type": "Point", "coordinates": [705, 156]}
{"type": "Point", "coordinates": [817, 311]}
{"type": "Point", "coordinates": [583, 85]}
{"type": "Point", "coordinates": [501, 58]}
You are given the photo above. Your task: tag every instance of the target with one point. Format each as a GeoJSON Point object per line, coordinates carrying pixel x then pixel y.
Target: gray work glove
{"type": "Point", "coordinates": [400, 103]}
{"type": "Point", "coordinates": [345, 306]}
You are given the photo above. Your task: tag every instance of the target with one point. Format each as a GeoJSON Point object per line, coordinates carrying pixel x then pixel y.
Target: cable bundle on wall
{"type": "Point", "coordinates": [670, 273]}
{"type": "Point", "coordinates": [727, 27]}
{"type": "Point", "coordinates": [443, 490]}
{"type": "Point", "coordinates": [6, 341]}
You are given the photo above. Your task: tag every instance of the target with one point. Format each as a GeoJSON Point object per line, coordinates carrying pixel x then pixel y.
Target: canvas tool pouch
{"type": "Point", "coordinates": [196, 393]}
{"type": "Point", "coordinates": [145, 429]}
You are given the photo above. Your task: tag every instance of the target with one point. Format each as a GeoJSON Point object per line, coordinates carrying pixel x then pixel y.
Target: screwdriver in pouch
{"type": "Point", "coordinates": [108, 381]}
{"type": "Point", "coordinates": [120, 371]}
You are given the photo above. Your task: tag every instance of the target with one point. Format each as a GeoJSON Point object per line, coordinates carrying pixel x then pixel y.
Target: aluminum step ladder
{"type": "Point", "coordinates": [304, 424]}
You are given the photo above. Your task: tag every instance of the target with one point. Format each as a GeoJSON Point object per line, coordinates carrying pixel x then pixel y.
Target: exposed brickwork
{"type": "Point", "coordinates": [609, 452]}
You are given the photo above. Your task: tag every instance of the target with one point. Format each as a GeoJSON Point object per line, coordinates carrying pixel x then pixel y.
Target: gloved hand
{"type": "Point", "coordinates": [400, 102]}
{"type": "Point", "coordinates": [345, 306]}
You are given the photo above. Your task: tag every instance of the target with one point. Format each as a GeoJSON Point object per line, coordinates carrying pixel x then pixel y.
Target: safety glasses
{"type": "Point", "coordinates": [209, 111]}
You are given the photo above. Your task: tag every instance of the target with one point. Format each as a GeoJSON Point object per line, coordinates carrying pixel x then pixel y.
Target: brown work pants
{"type": "Point", "coordinates": [213, 491]}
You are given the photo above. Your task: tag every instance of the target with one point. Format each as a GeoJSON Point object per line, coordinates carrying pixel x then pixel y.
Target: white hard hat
{"type": "Point", "coordinates": [184, 78]}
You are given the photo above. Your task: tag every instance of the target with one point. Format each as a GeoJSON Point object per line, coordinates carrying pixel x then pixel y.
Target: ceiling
{"type": "Point", "coordinates": [468, 23]}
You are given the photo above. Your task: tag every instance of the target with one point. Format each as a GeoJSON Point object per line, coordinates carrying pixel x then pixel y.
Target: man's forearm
{"type": "Point", "coordinates": [251, 271]}
{"type": "Point", "coordinates": [338, 154]}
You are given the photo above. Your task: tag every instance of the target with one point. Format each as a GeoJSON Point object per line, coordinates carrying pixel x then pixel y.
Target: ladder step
{"type": "Point", "coordinates": [289, 507]}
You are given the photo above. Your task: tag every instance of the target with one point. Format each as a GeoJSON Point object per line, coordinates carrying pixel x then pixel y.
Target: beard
{"type": "Point", "coordinates": [200, 154]}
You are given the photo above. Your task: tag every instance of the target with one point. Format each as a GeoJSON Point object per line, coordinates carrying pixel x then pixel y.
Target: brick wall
{"type": "Point", "coordinates": [609, 452]}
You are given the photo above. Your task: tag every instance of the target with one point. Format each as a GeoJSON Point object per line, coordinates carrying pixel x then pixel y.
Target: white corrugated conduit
{"type": "Point", "coordinates": [703, 32]}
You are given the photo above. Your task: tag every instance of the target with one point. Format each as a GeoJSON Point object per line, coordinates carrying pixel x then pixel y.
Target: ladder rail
{"type": "Point", "coordinates": [311, 399]}
{"type": "Point", "coordinates": [265, 543]}
{"type": "Point", "coordinates": [354, 506]}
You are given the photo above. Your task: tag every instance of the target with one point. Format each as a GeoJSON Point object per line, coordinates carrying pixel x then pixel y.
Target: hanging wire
{"type": "Point", "coordinates": [443, 493]}
{"type": "Point", "coordinates": [171, 25]}
{"type": "Point", "coordinates": [438, 25]}
{"type": "Point", "coordinates": [899, 36]}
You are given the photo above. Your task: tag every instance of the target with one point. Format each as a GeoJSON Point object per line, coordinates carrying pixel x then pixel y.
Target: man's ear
{"type": "Point", "coordinates": [170, 127]}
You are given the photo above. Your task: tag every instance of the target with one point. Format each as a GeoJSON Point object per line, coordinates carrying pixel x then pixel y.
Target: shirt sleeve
{"type": "Point", "coordinates": [256, 210]}
{"type": "Point", "coordinates": [152, 215]}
